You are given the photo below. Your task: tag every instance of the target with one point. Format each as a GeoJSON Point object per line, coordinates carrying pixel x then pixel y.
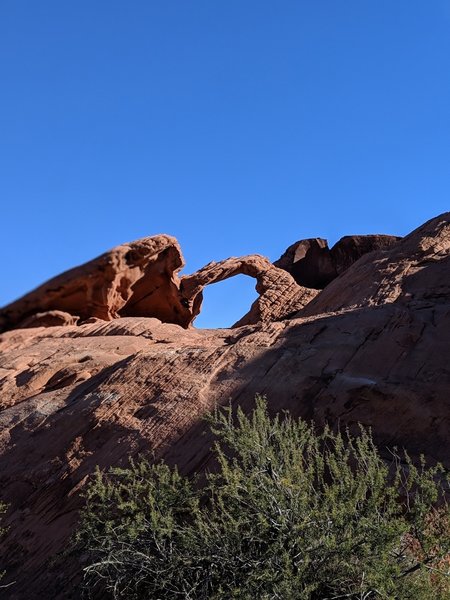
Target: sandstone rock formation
{"type": "Point", "coordinates": [372, 347]}
{"type": "Point", "coordinates": [314, 265]}
{"type": "Point", "coordinates": [279, 295]}
{"type": "Point", "coordinates": [412, 272]}
{"type": "Point", "coordinates": [139, 278]}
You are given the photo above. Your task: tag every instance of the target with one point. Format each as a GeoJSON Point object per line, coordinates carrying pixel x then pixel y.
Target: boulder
{"type": "Point", "coordinates": [139, 278]}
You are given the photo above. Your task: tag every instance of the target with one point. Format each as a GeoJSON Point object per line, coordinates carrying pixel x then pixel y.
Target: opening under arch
{"type": "Point", "coordinates": [225, 302]}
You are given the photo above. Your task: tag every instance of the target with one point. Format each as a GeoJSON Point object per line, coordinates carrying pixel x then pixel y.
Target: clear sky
{"type": "Point", "coordinates": [238, 126]}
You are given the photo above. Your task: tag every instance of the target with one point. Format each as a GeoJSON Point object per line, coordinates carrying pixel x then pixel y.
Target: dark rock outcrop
{"type": "Point", "coordinates": [415, 271]}
{"type": "Point", "coordinates": [314, 265]}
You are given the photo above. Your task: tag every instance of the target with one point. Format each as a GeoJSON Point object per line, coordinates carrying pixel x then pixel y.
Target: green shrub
{"type": "Point", "coordinates": [290, 514]}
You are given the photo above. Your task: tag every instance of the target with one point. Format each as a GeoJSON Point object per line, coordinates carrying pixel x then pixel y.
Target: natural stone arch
{"type": "Point", "coordinates": [140, 279]}
{"type": "Point", "coordinates": [279, 294]}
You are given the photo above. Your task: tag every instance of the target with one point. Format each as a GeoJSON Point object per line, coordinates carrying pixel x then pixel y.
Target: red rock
{"type": "Point", "coordinates": [279, 295]}
{"type": "Point", "coordinates": [139, 278]}
{"type": "Point", "coordinates": [49, 318]}
{"type": "Point", "coordinates": [350, 248]}
{"type": "Point", "coordinates": [372, 347]}
{"type": "Point", "coordinates": [412, 271]}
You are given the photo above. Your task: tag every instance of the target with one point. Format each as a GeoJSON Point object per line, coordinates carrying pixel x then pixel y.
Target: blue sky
{"type": "Point", "coordinates": [238, 126]}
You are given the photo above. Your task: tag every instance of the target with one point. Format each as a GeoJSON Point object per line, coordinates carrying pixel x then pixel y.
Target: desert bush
{"type": "Point", "coordinates": [290, 513]}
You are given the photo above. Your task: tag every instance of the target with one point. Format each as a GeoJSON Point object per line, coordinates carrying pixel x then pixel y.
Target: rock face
{"type": "Point", "coordinates": [372, 347]}
{"type": "Point", "coordinates": [314, 265]}
{"type": "Point", "coordinates": [139, 278]}
{"type": "Point", "coordinates": [414, 272]}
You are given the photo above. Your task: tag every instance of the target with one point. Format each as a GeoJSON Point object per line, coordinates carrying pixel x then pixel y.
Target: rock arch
{"type": "Point", "coordinates": [279, 294]}
{"type": "Point", "coordinates": [140, 279]}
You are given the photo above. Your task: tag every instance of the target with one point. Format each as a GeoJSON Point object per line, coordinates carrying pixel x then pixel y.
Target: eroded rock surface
{"type": "Point", "coordinates": [139, 278]}
{"type": "Point", "coordinates": [372, 347]}
{"type": "Point", "coordinates": [279, 295]}
{"type": "Point", "coordinates": [314, 265]}
{"type": "Point", "coordinates": [415, 271]}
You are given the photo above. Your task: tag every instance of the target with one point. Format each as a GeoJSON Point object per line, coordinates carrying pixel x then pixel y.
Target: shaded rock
{"type": "Point", "coordinates": [49, 318]}
{"type": "Point", "coordinates": [309, 262]}
{"type": "Point", "coordinates": [415, 270]}
{"type": "Point", "coordinates": [350, 248]}
{"type": "Point", "coordinates": [314, 265]}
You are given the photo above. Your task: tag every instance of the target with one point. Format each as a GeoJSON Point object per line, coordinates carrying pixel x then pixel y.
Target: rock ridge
{"type": "Point", "coordinates": [141, 279]}
{"type": "Point", "coordinates": [138, 278]}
